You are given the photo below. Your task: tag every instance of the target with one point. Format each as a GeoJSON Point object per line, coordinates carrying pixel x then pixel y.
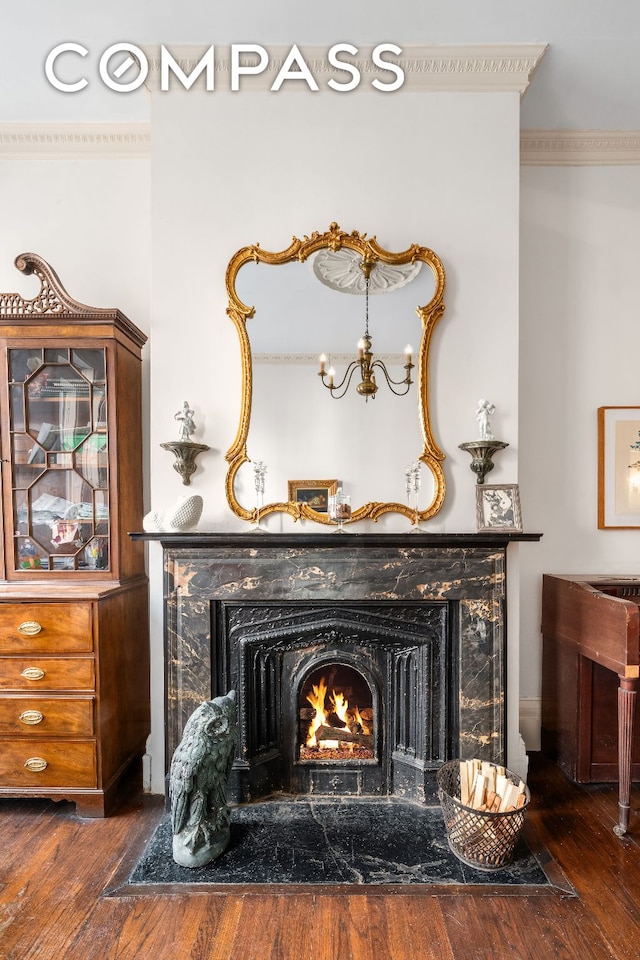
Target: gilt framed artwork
{"type": "Point", "coordinates": [498, 507]}
{"type": "Point", "coordinates": [618, 467]}
{"type": "Point", "coordinates": [315, 493]}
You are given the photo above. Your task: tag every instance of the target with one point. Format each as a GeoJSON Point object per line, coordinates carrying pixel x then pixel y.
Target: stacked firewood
{"type": "Point", "coordinates": [484, 806]}
{"type": "Point", "coordinates": [485, 786]}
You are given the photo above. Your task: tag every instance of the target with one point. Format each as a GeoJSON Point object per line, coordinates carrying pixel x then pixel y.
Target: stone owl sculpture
{"type": "Point", "coordinates": [200, 769]}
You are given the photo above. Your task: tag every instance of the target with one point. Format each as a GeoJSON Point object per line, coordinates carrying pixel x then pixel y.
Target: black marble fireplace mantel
{"type": "Point", "coordinates": [364, 540]}
{"type": "Point", "coordinates": [422, 616]}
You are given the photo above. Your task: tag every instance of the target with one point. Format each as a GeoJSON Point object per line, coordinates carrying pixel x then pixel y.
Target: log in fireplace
{"type": "Point", "coordinates": [408, 629]}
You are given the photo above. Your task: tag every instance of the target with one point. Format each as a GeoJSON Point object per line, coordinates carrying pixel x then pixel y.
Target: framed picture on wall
{"type": "Point", "coordinates": [315, 493]}
{"type": "Point", "coordinates": [618, 467]}
{"type": "Point", "coordinates": [498, 507]}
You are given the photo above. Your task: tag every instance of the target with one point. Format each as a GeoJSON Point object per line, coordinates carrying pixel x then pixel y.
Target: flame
{"type": "Point", "coordinates": [316, 699]}
{"type": "Point", "coordinates": [339, 706]}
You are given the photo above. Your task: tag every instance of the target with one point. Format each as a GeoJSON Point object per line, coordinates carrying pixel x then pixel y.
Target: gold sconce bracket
{"type": "Point", "coordinates": [185, 453]}
{"type": "Point", "coordinates": [482, 452]}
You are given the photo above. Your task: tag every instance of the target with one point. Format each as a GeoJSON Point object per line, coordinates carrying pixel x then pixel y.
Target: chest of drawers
{"type": "Point", "coordinates": [74, 704]}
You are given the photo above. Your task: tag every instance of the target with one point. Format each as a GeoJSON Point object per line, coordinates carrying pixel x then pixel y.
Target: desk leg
{"type": "Point", "coordinates": [626, 713]}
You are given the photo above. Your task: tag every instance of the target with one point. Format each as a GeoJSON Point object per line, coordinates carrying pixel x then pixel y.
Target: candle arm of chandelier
{"type": "Point", "coordinates": [346, 380]}
{"type": "Point", "coordinates": [397, 383]}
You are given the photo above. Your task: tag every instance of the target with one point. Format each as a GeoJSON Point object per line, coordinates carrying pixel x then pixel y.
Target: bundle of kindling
{"type": "Point", "coordinates": [486, 786]}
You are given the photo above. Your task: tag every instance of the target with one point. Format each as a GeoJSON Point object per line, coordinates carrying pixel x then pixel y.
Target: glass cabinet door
{"type": "Point", "coordinates": [60, 462]}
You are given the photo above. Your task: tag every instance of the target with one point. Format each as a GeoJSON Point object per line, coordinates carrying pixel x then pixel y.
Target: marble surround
{"type": "Point", "coordinates": [207, 575]}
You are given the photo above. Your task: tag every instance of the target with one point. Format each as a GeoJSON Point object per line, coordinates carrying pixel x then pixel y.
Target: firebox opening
{"type": "Point", "coordinates": [336, 721]}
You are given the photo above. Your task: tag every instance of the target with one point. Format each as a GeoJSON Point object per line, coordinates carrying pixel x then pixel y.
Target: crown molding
{"type": "Point", "coordinates": [579, 147]}
{"type": "Point", "coordinates": [52, 141]}
{"type": "Point", "coordinates": [495, 67]}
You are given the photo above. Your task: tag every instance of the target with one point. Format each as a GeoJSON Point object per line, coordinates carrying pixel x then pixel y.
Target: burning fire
{"type": "Point", "coordinates": [351, 720]}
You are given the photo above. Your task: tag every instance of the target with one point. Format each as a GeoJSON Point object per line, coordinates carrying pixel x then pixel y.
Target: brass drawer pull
{"type": "Point", "coordinates": [31, 717]}
{"type": "Point", "coordinates": [30, 628]}
{"type": "Point", "coordinates": [32, 673]}
{"type": "Point", "coordinates": [36, 764]}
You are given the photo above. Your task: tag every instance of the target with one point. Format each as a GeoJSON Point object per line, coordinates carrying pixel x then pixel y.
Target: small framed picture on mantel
{"type": "Point", "coordinates": [315, 493]}
{"type": "Point", "coordinates": [498, 508]}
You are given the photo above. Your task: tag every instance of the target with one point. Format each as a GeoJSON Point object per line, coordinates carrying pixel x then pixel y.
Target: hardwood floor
{"type": "Point", "coordinates": [58, 874]}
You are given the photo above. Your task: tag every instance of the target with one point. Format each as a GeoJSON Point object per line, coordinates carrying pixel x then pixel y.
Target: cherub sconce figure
{"type": "Point", "coordinates": [184, 449]}
{"type": "Point", "coordinates": [483, 449]}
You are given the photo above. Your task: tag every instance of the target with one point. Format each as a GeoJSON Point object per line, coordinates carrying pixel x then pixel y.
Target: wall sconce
{"type": "Point", "coordinates": [482, 452]}
{"type": "Point", "coordinates": [184, 449]}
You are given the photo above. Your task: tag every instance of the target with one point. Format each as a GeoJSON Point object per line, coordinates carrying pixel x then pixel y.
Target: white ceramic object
{"type": "Point", "coordinates": [182, 516]}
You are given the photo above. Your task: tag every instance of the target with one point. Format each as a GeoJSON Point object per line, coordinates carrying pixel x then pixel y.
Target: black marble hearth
{"type": "Point", "coordinates": [322, 842]}
{"type": "Point", "coordinates": [420, 618]}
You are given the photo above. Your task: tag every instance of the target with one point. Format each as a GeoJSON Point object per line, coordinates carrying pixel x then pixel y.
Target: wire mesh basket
{"type": "Point", "coordinates": [482, 839]}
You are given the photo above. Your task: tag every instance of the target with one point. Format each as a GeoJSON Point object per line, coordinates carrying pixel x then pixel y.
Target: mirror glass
{"type": "Point", "coordinates": [291, 307]}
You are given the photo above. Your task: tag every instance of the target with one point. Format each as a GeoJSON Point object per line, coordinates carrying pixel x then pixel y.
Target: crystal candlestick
{"type": "Point", "coordinates": [413, 481]}
{"type": "Point", "coordinates": [259, 471]}
{"type": "Point", "coordinates": [340, 509]}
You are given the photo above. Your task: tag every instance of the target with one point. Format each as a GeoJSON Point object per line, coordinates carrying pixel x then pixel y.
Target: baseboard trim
{"type": "Point", "coordinates": [531, 722]}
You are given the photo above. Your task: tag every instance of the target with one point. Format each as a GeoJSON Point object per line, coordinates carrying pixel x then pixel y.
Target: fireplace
{"type": "Point", "coordinates": [410, 630]}
{"type": "Point", "coordinates": [391, 660]}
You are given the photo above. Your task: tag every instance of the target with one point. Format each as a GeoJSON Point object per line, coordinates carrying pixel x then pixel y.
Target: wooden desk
{"type": "Point", "coordinates": [591, 635]}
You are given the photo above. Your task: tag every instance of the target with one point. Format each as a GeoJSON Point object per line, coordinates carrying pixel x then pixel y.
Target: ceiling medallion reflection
{"type": "Point", "coordinates": [342, 270]}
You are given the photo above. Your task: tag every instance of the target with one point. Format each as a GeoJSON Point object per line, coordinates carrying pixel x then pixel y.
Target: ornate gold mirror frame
{"type": "Point", "coordinates": [299, 250]}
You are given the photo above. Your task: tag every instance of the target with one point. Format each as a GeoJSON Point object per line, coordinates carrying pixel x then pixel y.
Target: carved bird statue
{"type": "Point", "coordinates": [200, 770]}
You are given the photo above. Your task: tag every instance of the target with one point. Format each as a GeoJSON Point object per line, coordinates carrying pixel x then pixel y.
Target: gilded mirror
{"type": "Point", "coordinates": [284, 399]}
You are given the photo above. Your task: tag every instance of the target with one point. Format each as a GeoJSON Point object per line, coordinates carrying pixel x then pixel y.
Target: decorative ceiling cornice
{"type": "Point", "coordinates": [579, 147]}
{"type": "Point", "coordinates": [51, 141]}
{"type": "Point", "coordinates": [497, 67]}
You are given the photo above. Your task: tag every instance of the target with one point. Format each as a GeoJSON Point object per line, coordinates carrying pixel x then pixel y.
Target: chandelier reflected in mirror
{"type": "Point", "coordinates": [339, 270]}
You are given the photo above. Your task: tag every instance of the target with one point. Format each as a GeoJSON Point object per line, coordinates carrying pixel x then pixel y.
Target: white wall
{"type": "Point", "coordinates": [579, 349]}
{"type": "Point", "coordinates": [239, 171]}
{"type": "Point", "coordinates": [89, 219]}
{"type": "Point", "coordinates": [262, 168]}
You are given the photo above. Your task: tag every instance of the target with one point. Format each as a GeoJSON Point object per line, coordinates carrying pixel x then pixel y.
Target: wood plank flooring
{"type": "Point", "coordinates": [56, 872]}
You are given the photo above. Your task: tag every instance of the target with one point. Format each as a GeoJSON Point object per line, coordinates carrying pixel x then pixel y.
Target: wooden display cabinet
{"type": "Point", "coordinates": [74, 638]}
